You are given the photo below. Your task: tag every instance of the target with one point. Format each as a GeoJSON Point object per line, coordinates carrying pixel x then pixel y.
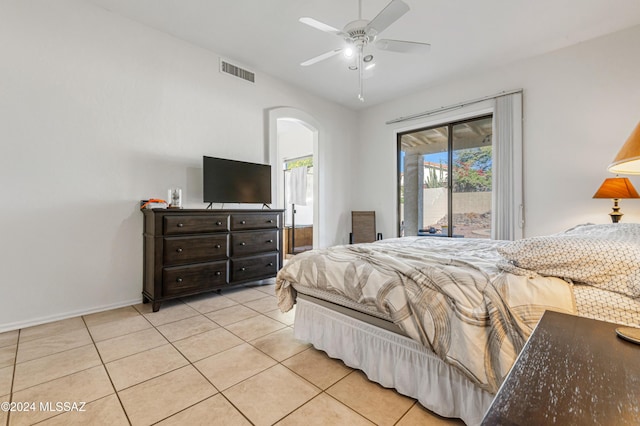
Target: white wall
{"type": "Point", "coordinates": [98, 112]}
{"type": "Point", "coordinates": [580, 105]}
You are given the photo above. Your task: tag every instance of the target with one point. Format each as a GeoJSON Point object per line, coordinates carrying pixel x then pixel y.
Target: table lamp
{"type": "Point", "coordinates": [616, 188]}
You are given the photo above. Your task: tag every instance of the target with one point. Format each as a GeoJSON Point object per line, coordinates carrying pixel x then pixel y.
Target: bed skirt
{"type": "Point", "coordinates": [392, 360]}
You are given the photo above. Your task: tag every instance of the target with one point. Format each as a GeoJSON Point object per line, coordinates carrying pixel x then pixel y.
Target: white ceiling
{"type": "Point", "coordinates": [466, 36]}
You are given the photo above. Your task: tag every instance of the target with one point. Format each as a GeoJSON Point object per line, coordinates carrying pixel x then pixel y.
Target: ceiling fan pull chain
{"type": "Point", "coordinates": [360, 71]}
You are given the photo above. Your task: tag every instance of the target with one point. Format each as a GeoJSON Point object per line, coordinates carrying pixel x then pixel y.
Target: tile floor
{"type": "Point", "coordinates": [227, 358]}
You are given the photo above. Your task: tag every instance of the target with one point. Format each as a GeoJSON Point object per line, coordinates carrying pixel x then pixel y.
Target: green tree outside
{"type": "Point", "coordinates": [472, 170]}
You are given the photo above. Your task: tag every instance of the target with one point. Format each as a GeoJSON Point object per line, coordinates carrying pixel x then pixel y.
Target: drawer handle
{"type": "Point", "coordinates": [243, 222]}
{"type": "Point", "coordinates": [178, 280]}
{"type": "Point", "coordinates": [218, 223]}
{"type": "Point", "coordinates": [270, 264]}
{"type": "Point", "coordinates": [243, 269]}
{"type": "Point", "coordinates": [243, 243]}
{"type": "Point", "coordinates": [218, 273]}
{"type": "Point", "coordinates": [180, 225]}
{"type": "Point", "coordinates": [179, 250]}
{"type": "Point", "coordinates": [269, 241]}
{"type": "Point", "coordinates": [270, 221]}
{"type": "Point", "coordinates": [218, 246]}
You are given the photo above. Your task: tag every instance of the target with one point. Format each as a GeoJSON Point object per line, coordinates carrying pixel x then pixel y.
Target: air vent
{"type": "Point", "coordinates": [236, 71]}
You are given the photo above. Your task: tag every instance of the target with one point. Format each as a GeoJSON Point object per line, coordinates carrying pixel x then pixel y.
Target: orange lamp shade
{"type": "Point", "coordinates": [628, 159]}
{"type": "Point", "coordinates": [616, 187]}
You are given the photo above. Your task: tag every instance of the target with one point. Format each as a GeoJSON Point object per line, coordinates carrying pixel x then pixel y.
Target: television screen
{"type": "Point", "coordinates": [230, 181]}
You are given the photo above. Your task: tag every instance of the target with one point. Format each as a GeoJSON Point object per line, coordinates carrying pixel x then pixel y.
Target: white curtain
{"type": "Point", "coordinates": [298, 186]}
{"type": "Point", "coordinates": [507, 201]}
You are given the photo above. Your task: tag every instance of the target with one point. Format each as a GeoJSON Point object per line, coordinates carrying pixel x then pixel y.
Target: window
{"type": "Point", "coordinates": [303, 212]}
{"type": "Point", "coordinates": [445, 179]}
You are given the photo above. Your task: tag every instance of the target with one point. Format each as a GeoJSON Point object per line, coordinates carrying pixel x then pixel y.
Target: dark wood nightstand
{"type": "Point", "coordinates": [572, 371]}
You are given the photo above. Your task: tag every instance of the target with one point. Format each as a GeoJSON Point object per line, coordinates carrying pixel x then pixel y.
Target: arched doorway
{"type": "Point", "coordinates": [285, 120]}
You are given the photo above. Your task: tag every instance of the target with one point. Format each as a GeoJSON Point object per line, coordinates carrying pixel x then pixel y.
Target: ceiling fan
{"type": "Point", "coordinates": [361, 33]}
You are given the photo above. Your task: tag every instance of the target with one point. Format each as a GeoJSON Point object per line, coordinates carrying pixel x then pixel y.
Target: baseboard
{"type": "Point", "coordinates": [66, 315]}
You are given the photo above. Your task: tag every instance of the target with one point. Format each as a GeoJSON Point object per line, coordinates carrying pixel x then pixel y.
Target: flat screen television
{"type": "Point", "coordinates": [231, 181]}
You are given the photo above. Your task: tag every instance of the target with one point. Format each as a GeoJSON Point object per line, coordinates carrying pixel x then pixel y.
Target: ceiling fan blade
{"type": "Point", "coordinates": [390, 14]}
{"type": "Point", "coordinates": [322, 57]}
{"type": "Point", "coordinates": [402, 46]}
{"type": "Point", "coordinates": [320, 26]}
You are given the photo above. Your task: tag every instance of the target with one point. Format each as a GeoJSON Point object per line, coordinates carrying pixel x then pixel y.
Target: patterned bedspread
{"type": "Point", "coordinates": [447, 294]}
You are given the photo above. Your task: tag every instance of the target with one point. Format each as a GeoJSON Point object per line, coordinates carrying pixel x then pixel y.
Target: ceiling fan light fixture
{"type": "Point", "coordinates": [348, 52]}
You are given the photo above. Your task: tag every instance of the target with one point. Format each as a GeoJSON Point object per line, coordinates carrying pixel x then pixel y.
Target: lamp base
{"type": "Point", "coordinates": [616, 214]}
{"type": "Point", "coordinates": [630, 334]}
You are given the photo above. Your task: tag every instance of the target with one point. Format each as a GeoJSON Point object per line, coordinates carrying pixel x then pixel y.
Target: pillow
{"type": "Point", "coordinates": [604, 256]}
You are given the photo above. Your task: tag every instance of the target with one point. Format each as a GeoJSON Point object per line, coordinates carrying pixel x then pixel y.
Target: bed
{"type": "Point", "coordinates": [442, 320]}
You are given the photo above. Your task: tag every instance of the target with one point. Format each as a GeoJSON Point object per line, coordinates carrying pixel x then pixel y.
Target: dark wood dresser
{"type": "Point", "coordinates": [193, 251]}
{"type": "Point", "coordinates": [572, 371]}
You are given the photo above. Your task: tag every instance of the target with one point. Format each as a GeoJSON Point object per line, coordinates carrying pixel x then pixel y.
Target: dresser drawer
{"type": "Point", "coordinates": [254, 221]}
{"type": "Point", "coordinates": [243, 243]}
{"type": "Point", "coordinates": [254, 267]}
{"type": "Point", "coordinates": [181, 224]}
{"type": "Point", "coordinates": [183, 250]}
{"type": "Point", "coordinates": [179, 280]}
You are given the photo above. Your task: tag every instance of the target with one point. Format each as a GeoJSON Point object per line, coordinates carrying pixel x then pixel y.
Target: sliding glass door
{"type": "Point", "coordinates": [444, 180]}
